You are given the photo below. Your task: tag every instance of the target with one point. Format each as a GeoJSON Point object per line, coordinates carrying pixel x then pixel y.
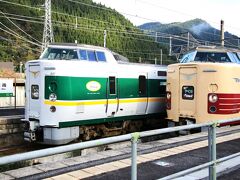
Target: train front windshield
{"type": "Point", "coordinates": [59, 54]}
{"type": "Point", "coordinates": [212, 57]}
{"type": "Point", "coordinates": [221, 57]}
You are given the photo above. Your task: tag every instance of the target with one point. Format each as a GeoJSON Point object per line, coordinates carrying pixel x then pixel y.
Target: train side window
{"type": "Point", "coordinates": [162, 86]}
{"type": "Point", "coordinates": [91, 56]}
{"type": "Point", "coordinates": [142, 85]}
{"type": "Point", "coordinates": [83, 54]}
{"type": "Point", "coordinates": [162, 73]}
{"type": "Point", "coordinates": [101, 56]}
{"type": "Point", "coordinates": [112, 84]}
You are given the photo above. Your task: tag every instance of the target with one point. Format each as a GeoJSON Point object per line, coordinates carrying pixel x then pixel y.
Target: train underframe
{"type": "Point", "coordinates": [57, 136]}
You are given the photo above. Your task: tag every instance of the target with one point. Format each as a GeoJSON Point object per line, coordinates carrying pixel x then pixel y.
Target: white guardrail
{"type": "Point", "coordinates": [133, 137]}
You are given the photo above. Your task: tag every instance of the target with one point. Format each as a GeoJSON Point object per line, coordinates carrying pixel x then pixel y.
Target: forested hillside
{"type": "Point", "coordinates": [199, 29]}
{"type": "Point", "coordinates": [83, 21]}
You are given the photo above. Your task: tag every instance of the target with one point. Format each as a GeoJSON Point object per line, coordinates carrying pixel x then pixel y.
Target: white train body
{"type": "Point", "coordinates": [63, 95]}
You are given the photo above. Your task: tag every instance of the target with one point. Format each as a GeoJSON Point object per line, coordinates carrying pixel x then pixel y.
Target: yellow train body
{"type": "Point", "coordinates": [199, 92]}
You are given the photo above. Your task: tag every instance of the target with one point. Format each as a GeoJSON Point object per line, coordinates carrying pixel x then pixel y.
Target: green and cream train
{"type": "Point", "coordinates": [82, 91]}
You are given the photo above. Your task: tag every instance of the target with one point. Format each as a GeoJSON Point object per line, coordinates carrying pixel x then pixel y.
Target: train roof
{"type": "Point", "coordinates": [76, 45]}
{"type": "Point", "coordinates": [214, 49]}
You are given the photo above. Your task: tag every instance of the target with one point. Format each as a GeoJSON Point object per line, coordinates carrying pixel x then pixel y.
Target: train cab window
{"type": "Point", "coordinates": [69, 54]}
{"type": "Point", "coordinates": [83, 54]}
{"type": "Point", "coordinates": [212, 57]}
{"type": "Point", "coordinates": [234, 58]}
{"type": "Point", "coordinates": [59, 54]}
{"type": "Point", "coordinates": [142, 85]}
{"type": "Point", "coordinates": [91, 56]}
{"type": "Point", "coordinates": [112, 84]}
{"type": "Point", "coordinates": [100, 56]}
{"type": "Point", "coordinates": [188, 57]}
{"type": "Point", "coordinates": [238, 55]}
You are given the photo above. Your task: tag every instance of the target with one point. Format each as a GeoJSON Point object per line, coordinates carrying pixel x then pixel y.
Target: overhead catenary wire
{"type": "Point", "coordinates": [31, 42]}
{"type": "Point", "coordinates": [160, 35]}
{"type": "Point", "coordinates": [23, 45]}
{"type": "Point", "coordinates": [91, 19]}
{"type": "Point", "coordinates": [90, 5]}
{"type": "Point", "coordinates": [179, 12]}
{"type": "Point", "coordinates": [117, 31]}
{"type": "Point", "coordinates": [127, 32]}
{"type": "Point", "coordinates": [108, 9]}
{"type": "Point", "coordinates": [11, 32]}
{"type": "Point", "coordinates": [19, 27]}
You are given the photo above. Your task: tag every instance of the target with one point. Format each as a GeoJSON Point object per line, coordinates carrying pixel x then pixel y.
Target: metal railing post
{"type": "Point", "coordinates": [212, 150]}
{"type": "Point", "coordinates": [134, 140]}
{"type": "Point", "coordinates": [15, 91]}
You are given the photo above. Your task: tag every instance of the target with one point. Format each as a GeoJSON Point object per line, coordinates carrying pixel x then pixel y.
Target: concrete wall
{"type": "Point", "coordinates": [11, 131]}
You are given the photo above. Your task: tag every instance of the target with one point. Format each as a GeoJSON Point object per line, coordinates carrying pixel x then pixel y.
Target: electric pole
{"type": "Point", "coordinates": [156, 36]}
{"type": "Point", "coordinates": [105, 38]}
{"type": "Point", "coordinates": [188, 39]}
{"type": "Point", "coordinates": [222, 33]}
{"type": "Point", "coordinates": [48, 30]}
{"type": "Point", "coordinates": [170, 45]}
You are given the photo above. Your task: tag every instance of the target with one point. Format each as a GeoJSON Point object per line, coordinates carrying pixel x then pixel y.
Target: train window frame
{"type": "Point", "coordinates": [162, 73]}
{"type": "Point", "coordinates": [238, 55]}
{"type": "Point", "coordinates": [99, 54]}
{"type": "Point", "coordinates": [112, 85]}
{"type": "Point", "coordinates": [91, 52]}
{"type": "Point", "coordinates": [55, 53]}
{"type": "Point", "coordinates": [162, 86]}
{"type": "Point", "coordinates": [233, 57]}
{"type": "Point", "coordinates": [142, 85]}
{"type": "Point", "coordinates": [189, 57]}
{"type": "Point", "coordinates": [85, 57]}
{"type": "Point", "coordinates": [211, 56]}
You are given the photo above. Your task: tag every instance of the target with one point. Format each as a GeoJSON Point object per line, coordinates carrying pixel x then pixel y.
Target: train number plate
{"type": "Point", "coordinates": [188, 92]}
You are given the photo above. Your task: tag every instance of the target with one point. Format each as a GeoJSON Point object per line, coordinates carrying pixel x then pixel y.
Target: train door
{"type": "Point", "coordinates": [187, 95]}
{"type": "Point", "coordinates": [143, 94]}
{"type": "Point", "coordinates": [112, 95]}
{"type": "Point", "coordinates": [33, 91]}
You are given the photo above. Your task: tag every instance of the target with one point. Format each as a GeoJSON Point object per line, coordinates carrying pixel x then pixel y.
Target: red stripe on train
{"type": "Point", "coordinates": [226, 104]}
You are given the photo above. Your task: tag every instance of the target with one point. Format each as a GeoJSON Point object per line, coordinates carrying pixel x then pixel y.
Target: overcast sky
{"type": "Point", "coordinates": [167, 11]}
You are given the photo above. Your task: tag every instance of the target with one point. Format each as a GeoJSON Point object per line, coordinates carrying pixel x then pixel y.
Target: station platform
{"type": "Point", "coordinates": [156, 160]}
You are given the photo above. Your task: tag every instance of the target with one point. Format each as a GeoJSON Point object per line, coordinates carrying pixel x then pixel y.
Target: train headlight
{"type": "Point", "coordinates": [168, 100]}
{"type": "Point", "coordinates": [168, 95]}
{"type": "Point", "coordinates": [52, 97]}
{"type": "Point", "coordinates": [213, 98]}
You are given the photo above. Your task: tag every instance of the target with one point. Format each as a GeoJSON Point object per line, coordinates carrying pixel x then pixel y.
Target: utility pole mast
{"type": "Point", "coordinates": [222, 33]}
{"type": "Point", "coordinates": [170, 45]}
{"type": "Point", "coordinates": [48, 30]}
{"type": "Point", "coordinates": [188, 39]}
{"type": "Point", "coordinates": [105, 38]}
{"type": "Point", "coordinates": [156, 36]}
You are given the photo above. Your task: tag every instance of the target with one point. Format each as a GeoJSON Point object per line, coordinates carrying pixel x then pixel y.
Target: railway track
{"type": "Point", "coordinates": [31, 147]}
{"type": "Point", "coordinates": [147, 151]}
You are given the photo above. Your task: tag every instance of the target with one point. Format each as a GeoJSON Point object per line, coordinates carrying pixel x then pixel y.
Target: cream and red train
{"type": "Point", "coordinates": [204, 86]}
{"type": "Point", "coordinates": [81, 91]}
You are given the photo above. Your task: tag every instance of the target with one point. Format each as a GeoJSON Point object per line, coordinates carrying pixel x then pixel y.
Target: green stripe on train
{"type": "Point", "coordinates": [109, 119]}
{"type": "Point", "coordinates": [74, 88]}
